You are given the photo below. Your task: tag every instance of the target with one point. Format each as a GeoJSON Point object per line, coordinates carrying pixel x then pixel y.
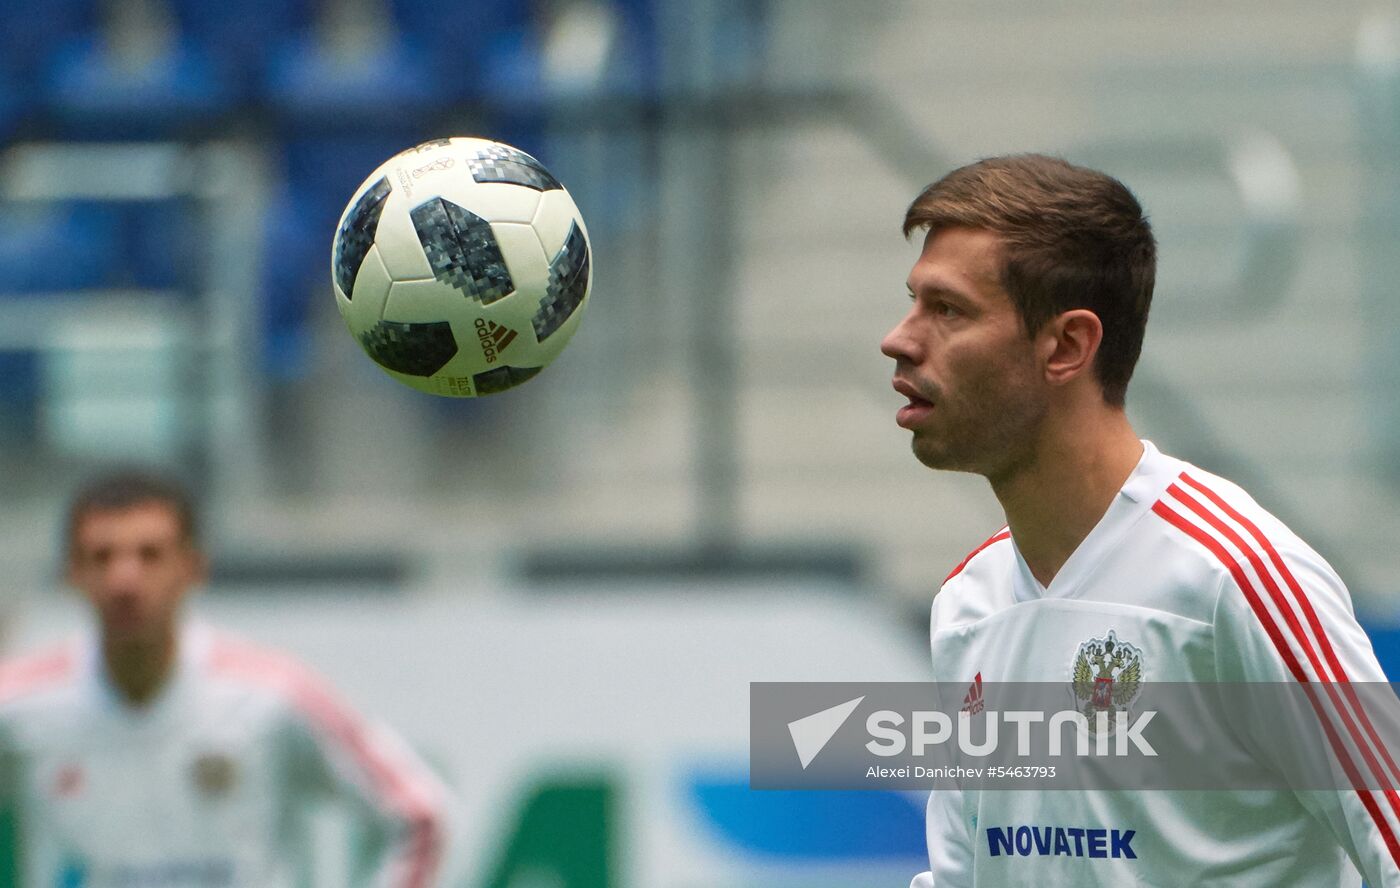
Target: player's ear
{"type": "Point", "coordinates": [1072, 340]}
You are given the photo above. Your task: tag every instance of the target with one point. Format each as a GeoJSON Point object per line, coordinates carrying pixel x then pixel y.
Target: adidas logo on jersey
{"type": "Point", "coordinates": [493, 337]}
{"type": "Point", "coordinates": [972, 703]}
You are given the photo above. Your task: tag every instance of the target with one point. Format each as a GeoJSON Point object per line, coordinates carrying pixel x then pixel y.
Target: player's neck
{"type": "Point", "coordinates": [1053, 500]}
{"type": "Point", "coordinates": [139, 670]}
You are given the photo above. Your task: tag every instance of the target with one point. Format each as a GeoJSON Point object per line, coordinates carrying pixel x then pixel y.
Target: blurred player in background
{"type": "Point", "coordinates": [1029, 306]}
{"type": "Point", "coordinates": [157, 751]}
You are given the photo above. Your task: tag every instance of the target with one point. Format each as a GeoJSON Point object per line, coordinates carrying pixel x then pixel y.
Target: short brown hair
{"type": "Point", "coordinates": [127, 488]}
{"type": "Point", "coordinates": [1073, 238]}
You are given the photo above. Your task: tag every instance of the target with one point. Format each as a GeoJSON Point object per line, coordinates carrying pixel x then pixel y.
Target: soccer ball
{"type": "Point", "coordinates": [462, 267]}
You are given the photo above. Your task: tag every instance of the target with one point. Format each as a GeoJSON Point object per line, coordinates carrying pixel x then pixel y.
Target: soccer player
{"type": "Point", "coordinates": [1028, 306]}
{"type": "Point", "coordinates": [156, 751]}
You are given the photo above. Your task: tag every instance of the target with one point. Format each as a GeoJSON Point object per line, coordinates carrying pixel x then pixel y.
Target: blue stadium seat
{"type": "Point", "coordinates": [19, 397]}
{"type": "Point", "coordinates": [457, 22]}
{"type": "Point", "coordinates": [317, 89]}
{"type": "Point", "coordinates": [453, 23]}
{"type": "Point", "coordinates": [92, 92]}
{"type": "Point", "coordinates": [470, 44]}
{"type": "Point", "coordinates": [635, 68]}
{"type": "Point", "coordinates": [57, 247]}
{"type": "Point", "coordinates": [241, 36]}
{"type": "Point", "coordinates": [29, 32]}
{"type": "Point", "coordinates": [295, 266]}
{"type": "Point", "coordinates": [511, 70]}
{"type": "Point", "coordinates": [13, 104]}
{"type": "Point", "coordinates": [54, 247]}
{"type": "Point", "coordinates": [157, 245]}
{"type": "Point", "coordinates": [79, 245]}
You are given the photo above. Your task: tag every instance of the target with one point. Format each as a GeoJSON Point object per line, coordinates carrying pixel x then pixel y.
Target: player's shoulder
{"type": "Point", "coordinates": [1243, 545]}
{"type": "Point", "coordinates": [40, 674]}
{"type": "Point", "coordinates": [969, 591]}
{"type": "Point", "coordinates": [1228, 527]}
{"type": "Point", "coordinates": [233, 659]}
{"type": "Point", "coordinates": [267, 673]}
{"type": "Point", "coordinates": [1002, 535]}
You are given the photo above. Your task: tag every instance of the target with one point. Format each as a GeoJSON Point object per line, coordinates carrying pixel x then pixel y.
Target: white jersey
{"type": "Point", "coordinates": [206, 786]}
{"type": "Point", "coordinates": [1207, 587]}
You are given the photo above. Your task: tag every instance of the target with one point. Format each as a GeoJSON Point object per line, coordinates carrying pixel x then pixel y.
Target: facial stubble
{"type": "Point", "coordinates": [988, 428]}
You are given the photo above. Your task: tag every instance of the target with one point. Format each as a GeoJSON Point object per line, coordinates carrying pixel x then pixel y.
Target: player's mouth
{"type": "Point", "coordinates": [916, 411]}
{"type": "Point", "coordinates": [123, 614]}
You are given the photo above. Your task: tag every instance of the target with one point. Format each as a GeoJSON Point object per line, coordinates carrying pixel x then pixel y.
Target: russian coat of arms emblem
{"type": "Point", "coordinates": [1107, 676]}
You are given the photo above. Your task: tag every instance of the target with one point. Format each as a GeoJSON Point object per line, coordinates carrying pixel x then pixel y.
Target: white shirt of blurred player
{"type": "Point", "coordinates": [206, 785]}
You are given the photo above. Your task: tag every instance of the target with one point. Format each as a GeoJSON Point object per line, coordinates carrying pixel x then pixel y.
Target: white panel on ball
{"type": "Point", "coordinates": [500, 201]}
{"type": "Point", "coordinates": [529, 266]}
{"type": "Point", "coordinates": [419, 302]}
{"type": "Point", "coordinates": [556, 214]}
{"type": "Point", "coordinates": [398, 241]}
{"type": "Point", "coordinates": [366, 304]}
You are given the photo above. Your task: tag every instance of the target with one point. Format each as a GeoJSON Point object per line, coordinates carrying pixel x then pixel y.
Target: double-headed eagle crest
{"type": "Point", "coordinates": [1107, 675]}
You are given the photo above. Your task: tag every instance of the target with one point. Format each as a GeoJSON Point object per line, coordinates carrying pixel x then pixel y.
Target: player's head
{"type": "Point", "coordinates": [133, 551]}
{"type": "Point", "coordinates": [1031, 294]}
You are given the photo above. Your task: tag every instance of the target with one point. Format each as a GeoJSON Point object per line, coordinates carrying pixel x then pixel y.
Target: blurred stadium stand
{"type": "Point", "coordinates": [727, 311]}
{"type": "Point", "coordinates": [240, 37]}
{"type": "Point", "coordinates": [135, 77]}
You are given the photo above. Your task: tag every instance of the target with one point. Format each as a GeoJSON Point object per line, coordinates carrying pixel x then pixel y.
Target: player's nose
{"type": "Point", "coordinates": [899, 344]}
{"type": "Point", "coordinates": [123, 573]}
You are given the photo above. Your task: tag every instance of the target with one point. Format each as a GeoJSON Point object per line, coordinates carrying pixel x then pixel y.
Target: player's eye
{"type": "Point", "coordinates": [946, 310]}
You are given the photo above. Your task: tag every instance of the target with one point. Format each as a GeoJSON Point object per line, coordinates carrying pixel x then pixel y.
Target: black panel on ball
{"type": "Point", "coordinates": [413, 349]}
{"type": "Point", "coordinates": [356, 235]}
{"type": "Point", "coordinates": [568, 284]}
{"type": "Point", "coordinates": [502, 163]}
{"type": "Point", "coordinates": [502, 378]}
{"type": "Point", "coordinates": [462, 250]}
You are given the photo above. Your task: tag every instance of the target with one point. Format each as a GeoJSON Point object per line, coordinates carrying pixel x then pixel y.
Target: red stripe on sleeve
{"type": "Point", "coordinates": [308, 695]}
{"type": "Point", "coordinates": [1271, 628]}
{"type": "Point", "coordinates": [34, 672]}
{"type": "Point", "coordinates": [1309, 613]}
{"type": "Point", "coordinates": [1291, 619]}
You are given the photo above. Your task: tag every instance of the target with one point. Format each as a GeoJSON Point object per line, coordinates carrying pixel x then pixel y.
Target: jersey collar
{"type": "Point", "coordinates": [1144, 486]}
{"type": "Point", "coordinates": [192, 641]}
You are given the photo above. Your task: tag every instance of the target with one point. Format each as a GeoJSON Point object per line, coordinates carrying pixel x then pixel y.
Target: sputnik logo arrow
{"type": "Point", "coordinates": [811, 733]}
